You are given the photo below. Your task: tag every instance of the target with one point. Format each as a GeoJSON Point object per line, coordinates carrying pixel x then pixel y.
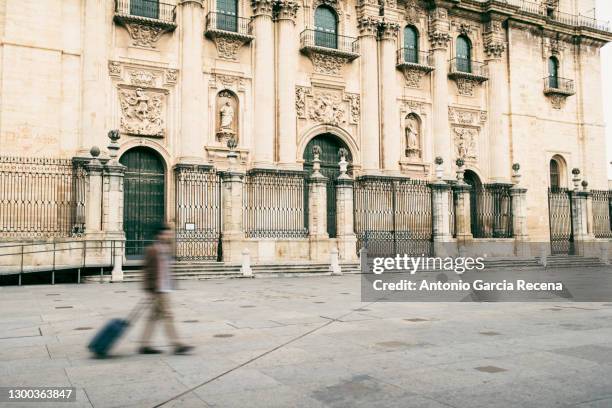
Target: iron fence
{"type": "Point", "coordinates": [491, 211]}
{"type": "Point", "coordinates": [275, 204]}
{"type": "Point", "coordinates": [41, 197]}
{"type": "Point", "coordinates": [412, 56]}
{"type": "Point", "coordinates": [560, 220]}
{"type": "Point", "coordinates": [451, 213]}
{"type": "Point", "coordinates": [198, 213]}
{"type": "Point", "coordinates": [559, 84]}
{"type": "Point", "coordinates": [228, 22]}
{"type": "Point", "coordinates": [393, 215]}
{"type": "Point", "coordinates": [323, 39]}
{"type": "Point", "coordinates": [602, 208]}
{"type": "Point", "coordinates": [467, 66]}
{"type": "Point", "coordinates": [153, 9]}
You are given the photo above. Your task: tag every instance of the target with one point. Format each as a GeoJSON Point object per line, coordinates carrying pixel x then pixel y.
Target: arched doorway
{"type": "Point", "coordinates": [330, 145]}
{"type": "Point", "coordinates": [473, 180]}
{"type": "Point", "coordinates": [143, 197]}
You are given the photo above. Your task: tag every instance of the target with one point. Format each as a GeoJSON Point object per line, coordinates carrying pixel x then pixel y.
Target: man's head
{"type": "Point", "coordinates": [163, 233]}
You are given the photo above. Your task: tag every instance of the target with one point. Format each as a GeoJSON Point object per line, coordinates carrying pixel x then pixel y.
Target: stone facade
{"type": "Point", "coordinates": [74, 69]}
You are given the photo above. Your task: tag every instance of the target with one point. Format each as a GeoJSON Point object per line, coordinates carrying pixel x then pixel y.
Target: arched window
{"type": "Point", "coordinates": [553, 73]}
{"type": "Point", "coordinates": [411, 45]}
{"type": "Point", "coordinates": [464, 54]}
{"type": "Point", "coordinates": [227, 15]}
{"type": "Point", "coordinates": [555, 174]}
{"type": "Point", "coordinates": [145, 8]}
{"type": "Point", "coordinates": [326, 27]}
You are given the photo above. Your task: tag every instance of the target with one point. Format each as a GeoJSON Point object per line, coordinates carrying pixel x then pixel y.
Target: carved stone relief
{"type": "Point", "coordinates": [413, 77]}
{"type": "Point", "coordinates": [326, 107]}
{"type": "Point", "coordinates": [465, 142]}
{"type": "Point", "coordinates": [327, 64]}
{"type": "Point", "coordinates": [171, 76]}
{"type": "Point", "coordinates": [142, 112]}
{"type": "Point", "coordinates": [557, 101]}
{"type": "Point", "coordinates": [461, 116]}
{"type": "Point", "coordinates": [300, 100]}
{"type": "Point", "coordinates": [355, 107]}
{"type": "Point", "coordinates": [142, 78]}
{"type": "Point", "coordinates": [227, 48]}
{"type": "Point", "coordinates": [114, 69]}
{"type": "Point", "coordinates": [465, 86]}
{"type": "Point", "coordinates": [144, 35]}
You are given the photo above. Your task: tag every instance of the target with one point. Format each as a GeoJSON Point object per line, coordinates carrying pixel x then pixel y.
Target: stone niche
{"type": "Point", "coordinates": [414, 120]}
{"type": "Point", "coordinates": [142, 98]}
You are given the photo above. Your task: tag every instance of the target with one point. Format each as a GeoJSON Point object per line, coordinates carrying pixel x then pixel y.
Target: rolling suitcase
{"type": "Point", "coordinates": [112, 331]}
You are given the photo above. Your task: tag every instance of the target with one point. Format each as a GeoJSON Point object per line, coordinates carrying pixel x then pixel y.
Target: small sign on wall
{"type": "Point", "coordinates": [189, 226]}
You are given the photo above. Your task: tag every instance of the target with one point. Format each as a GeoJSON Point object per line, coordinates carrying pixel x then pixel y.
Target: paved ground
{"type": "Point", "coordinates": [310, 342]}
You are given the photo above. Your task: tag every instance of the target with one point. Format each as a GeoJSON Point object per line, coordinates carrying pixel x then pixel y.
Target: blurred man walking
{"type": "Point", "coordinates": [158, 284]}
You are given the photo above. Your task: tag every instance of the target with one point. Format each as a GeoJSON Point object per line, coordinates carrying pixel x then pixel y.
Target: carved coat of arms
{"type": "Point", "coordinates": [141, 112]}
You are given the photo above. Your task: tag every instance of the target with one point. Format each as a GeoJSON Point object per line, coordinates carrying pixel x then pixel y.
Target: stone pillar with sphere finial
{"type": "Point", "coordinates": [579, 213]}
{"type": "Point", "coordinates": [232, 219]}
{"type": "Point", "coordinates": [317, 209]}
{"type": "Point", "coordinates": [347, 240]}
{"type": "Point", "coordinates": [93, 195]}
{"type": "Point", "coordinates": [589, 210]}
{"type": "Point", "coordinates": [461, 189]}
{"type": "Point", "coordinates": [440, 208]}
{"type": "Point", "coordinates": [519, 205]}
{"type": "Point", "coordinates": [112, 206]}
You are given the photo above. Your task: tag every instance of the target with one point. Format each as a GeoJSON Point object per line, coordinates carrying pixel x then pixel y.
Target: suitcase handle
{"type": "Point", "coordinates": [138, 309]}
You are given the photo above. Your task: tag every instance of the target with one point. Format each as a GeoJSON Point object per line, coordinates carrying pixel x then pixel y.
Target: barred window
{"type": "Point", "coordinates": [326, 27]}
{"type": "Point", "coordinates": [411, 45]}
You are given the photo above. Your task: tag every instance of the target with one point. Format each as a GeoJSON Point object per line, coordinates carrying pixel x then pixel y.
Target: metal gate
{"type": "Point", "coordinates": [143, 208]}
{"type": "Point", "coordinates": [330, 146]}
{"type": "Point", "coordinates": [560, 220]}
{"type": "Point", "coordinates": [393, 216]}
{"type": "Point", "coordinates": [491, 211]}
{"type": "Point", "coordinates": [198, 213]}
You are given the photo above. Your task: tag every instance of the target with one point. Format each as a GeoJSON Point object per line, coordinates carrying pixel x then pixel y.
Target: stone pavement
{"type": "Point", "coordinates": [310, 342]}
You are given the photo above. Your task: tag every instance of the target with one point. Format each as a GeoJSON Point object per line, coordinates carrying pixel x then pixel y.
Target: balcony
{"type": "Point", "coordinates": [229, 26]}
{"type": "Point", "coordinates": [408, 58]}
{"type": "Point", "coordinates": [314, 41]}
{"type": "Point", "coordinates": [463, 68]}
{"type": "Point", "coordinates": [150, 12]}
{"type": "Point", "coordinates": [558, 86]}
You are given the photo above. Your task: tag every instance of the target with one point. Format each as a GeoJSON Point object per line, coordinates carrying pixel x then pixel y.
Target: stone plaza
{"type": "Point", "coordinates": [309, 342]}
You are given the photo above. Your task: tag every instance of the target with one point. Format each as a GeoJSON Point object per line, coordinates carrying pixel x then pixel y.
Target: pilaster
{"type": "Point", "coordinates": [462, 211]}
{"type": "Point", "coordinates": [232, 220]}
{"type": "Point", "coordinates": [347, 240]}
{"type": "Point", "coordinates": [93, 195]}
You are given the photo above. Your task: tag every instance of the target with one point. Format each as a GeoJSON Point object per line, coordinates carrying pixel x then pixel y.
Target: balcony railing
{"type": "Point", "coordinates": [463, 67]}
{"type": "Point", "coordinates": [146, 9]}
{"type": "Point", "coordinates": [556, 85]}
{"type": "Point", "coordinates": [410, 56]}
{"type": "Point", "coordinates": [548, 9]}
{"type": "Point", "coordinates": [329, 42]}
{"type": "Point", "coordinates": [228, 23]}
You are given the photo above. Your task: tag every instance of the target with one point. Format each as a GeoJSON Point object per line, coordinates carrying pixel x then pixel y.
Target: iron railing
{"type": "Point", "coordinates": [602, 210]}
{"type": "Point", "coordinates": [228, 22]}
{"type": "Point", "coordinates": [412, 56]}
{"type": "Point", "coordinates": [554, 83]}
{"type": "Point", "coordinates": [491, 211]}
{"type": "Point", "coordinates": [152, 9]}
{"type": "Point", "coordinates": [41, 197]}
{"type": "Point", "coordinates": [322, 39]}
{"type": "Point", "coordinates": [77, 255]}
{"type": "Point", "coordinates": [274, 204]}
{"type": "Point", "coordinates": [452, 219]}
{"type": "Point", "coordinates": [560, 220]}
{"type": "Point", "coordinates": [393, 216]}
{"type": "Point", "coordinates": [198, 213]}
{"type": "Point", "coordinates": [467, 66]}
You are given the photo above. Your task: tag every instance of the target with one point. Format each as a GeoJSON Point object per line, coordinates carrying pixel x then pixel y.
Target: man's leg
{"type": "Point", "coordinates": [179, 348]}
{"type": "Point", "coordinates": [147, 333]}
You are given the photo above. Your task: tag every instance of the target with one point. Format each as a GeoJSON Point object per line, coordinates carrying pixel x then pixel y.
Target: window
{"type": "Point", "coordinates": [411, 45]}
{"type": "Point", "coordinates": [145, 8]}
{"type": "Point", "coordinates": [326, 27]}
{"type": "Point", "coordinates": [555, 176]}
{"type": "Point", "coordinates": [227, 15]}
{"type": "Point", "coordinates": [553, 73]}
{"type": "Point", "coordinates": [464, 54]}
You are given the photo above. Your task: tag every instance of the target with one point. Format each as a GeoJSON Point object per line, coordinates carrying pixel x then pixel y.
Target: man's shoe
{"type": "Point", "coordinates": [181, 350]}
{"type": "Point", "coordinates": [148, 350]}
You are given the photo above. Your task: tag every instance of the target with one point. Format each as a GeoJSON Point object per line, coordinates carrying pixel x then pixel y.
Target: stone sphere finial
{"type": "Point", "coordinates": [113, 146]}
{"type": "Point", "coordinates": [439, 161]}
{"type": "Point", "coordinates": [516, 167]}
{"type": "Point", "coordinates": [575, 171]}
{"type": "Point", "coordinates": [114, 135]}
{"type": "Point", "coordinates": [94, 151]}
{"type": "Point", "coordinates": [460, 162]}
{"type": "Point", "coordinates": [585, 184]}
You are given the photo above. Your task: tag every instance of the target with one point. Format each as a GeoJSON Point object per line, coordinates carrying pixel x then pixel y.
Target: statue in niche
{"type": "Point", "coordinates": [227, 124]}
{"type": "Point", "coordinates": [413, 137]}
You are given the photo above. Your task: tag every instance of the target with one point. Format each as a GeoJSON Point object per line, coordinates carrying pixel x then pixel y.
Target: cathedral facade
{"type": "Point", "coordinates": [294, 127]}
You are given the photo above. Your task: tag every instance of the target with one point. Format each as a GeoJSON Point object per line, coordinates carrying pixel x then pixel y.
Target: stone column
{"type": "Point", "coordinates": [519, 207]}
{"type": "Point", "coordinates": [95, 76]}
{"type": "Point", "coordinates": [194, 94]}
{"type": "Point", "coordinates": [285, 87]}
{"type": "Point", "coordinates": [369, 124]}
{"type": "Point", "coordinates": [263, 84]}
{"type": "Point", "coordinates": [317, 210]}
{"type": "Point", "coordinates": [112, 207]}
{"type": "Point", "coordinates": [389, 121]}
{"type": "Point", "coordinates": [499, 133]}
{"type": "Point", "coordinates": [579, 214]}
{"type": "Point", "coordinates": [441, 212]}
{"type": "Point", "coordinates": [589, 211]}
{"type": "Point", "coordinates": [439, 39]}
{"type": "Point", "coordinates": [232, 198]}
{"type": "Point", "coordinates": [347, 240]}
{"type": "Point", "coordinates": [93, 195]}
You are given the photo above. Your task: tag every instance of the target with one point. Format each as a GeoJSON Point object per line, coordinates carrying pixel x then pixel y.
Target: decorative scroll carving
{"type": "Point", "coordinates": [144, 35]}
{"type": "Point", "coordinates": [327, 64]}
{"type": "Point", "coordinates": [413, 77]}
{"type": "Point", "coordinates": [114, 69]}
{"type": "Point", "coordinates": [462, 116]}
{"type": "Point", "coordinates": [285, 9]}
{"type": "Point", "coordinates": [439, 39]}
{"type": "Point", "coordinates": [465, 86]}
{"type": "Point", "coordinates": [300, 100]}
{"type": "Point", "coordinates": [494, 49]}
{"type": "Point", "coordinates": [262, 7]}
{"type": "Point", "coordinates": [327, 106]}
{"type": "Point", "coordinates": [388, 30]}
{"type": "Point", "coordinates": [355, 107]}
{"type": "Point", "coordinates": [557, 101]}
{"type": "Point", "coordinates": [465, 142]}
{"type": "Point", "coordinates": [171, 76]}
{"type": "Point", "coordinates": [142, 112]}
{"type": "Point", "coordinates": [368, 26]}
{"type": "Point", "coordinates": [463, 27]}
{"type": "Point", "coordinates": [228, 47]}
